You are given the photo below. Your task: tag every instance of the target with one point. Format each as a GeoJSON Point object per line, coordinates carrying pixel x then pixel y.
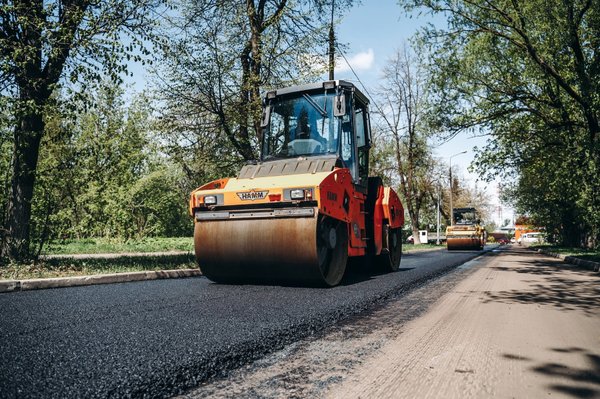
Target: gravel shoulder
{"type": "Point", "coordinates": [522, 325]}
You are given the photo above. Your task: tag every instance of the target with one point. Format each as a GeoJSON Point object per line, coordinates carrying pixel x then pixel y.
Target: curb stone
{"type": "Point", "coordinates": [586, 264]}
{"type": "Point", "coordinates": [59, 282]}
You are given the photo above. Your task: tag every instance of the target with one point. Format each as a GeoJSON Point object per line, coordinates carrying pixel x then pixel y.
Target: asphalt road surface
{"type": "Point", "coordinates": [161, 338]}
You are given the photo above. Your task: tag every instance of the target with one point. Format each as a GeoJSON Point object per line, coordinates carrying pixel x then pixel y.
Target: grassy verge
{"type": "Point", "coordinates": [103, 245]}
{"type": "Point", "coordinates": [83, 267]}
{"type": "Point", "coordinates": [421, 247]}
{"type": "Point", "coordinates": [580, 253]}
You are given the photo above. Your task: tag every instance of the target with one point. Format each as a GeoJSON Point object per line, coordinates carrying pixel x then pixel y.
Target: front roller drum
{"type": "Point", "coordinates": [465, 243]}
{"type": "Point", "coordinates": [299, 250]}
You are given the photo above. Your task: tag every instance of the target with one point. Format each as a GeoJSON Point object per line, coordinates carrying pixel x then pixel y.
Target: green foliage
{"type": "Point", "coordinates": [45, 45]}
{"type": "Point", "coordinates": [219, 58]}
{"type": "Point", "coordinates": [79, 42]}
{"type": "Point", "coordinates": [156, 206]}
{"type": "Point", "coordinates": [117, 245]}
{"type": "Point", "coordinates": [5, 157]}
{"type": "Point", "coordinates": [526, 73]}
{"type": "Point", "coordinates": [100, 175]}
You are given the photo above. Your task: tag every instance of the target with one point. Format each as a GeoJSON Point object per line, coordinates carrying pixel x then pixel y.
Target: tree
{"type": "Point", "coordinates": [403, 92]}
{"type": "Point", "coordinates": [527, 73]}
{"type": "Point", "coordinates": [101, 174]}
{"type": "Point", "coordinates": [467, 196]}
{"type": "Point", "coordinates": [42, 42]}
{"type": "Point", "coordinates": [156, 208]}
{"type": "Point", "coordinates": [221, 55]}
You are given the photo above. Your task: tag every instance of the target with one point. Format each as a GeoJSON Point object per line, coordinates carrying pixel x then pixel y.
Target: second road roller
{"type": "Point", "coordinates": [466, 231]}
{"type": "Point", "coordinates": [309, 204]}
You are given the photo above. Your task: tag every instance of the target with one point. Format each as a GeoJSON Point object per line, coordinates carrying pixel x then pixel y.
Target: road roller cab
{"type": "Point", "coordinates": [309, 204]}
{"type": "Point", "coordinates": [465, 232]}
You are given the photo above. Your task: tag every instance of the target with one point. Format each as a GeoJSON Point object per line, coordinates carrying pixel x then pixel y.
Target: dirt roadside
{"type": "Point", "coordinates": [512, 324]}
{"type": "Point", "coordinates": [520, 326]}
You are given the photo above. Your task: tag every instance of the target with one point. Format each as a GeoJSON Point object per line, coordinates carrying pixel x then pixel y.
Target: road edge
{"type": "Point", "coordinates": [116, 255]}
{"type": "Point", "coordinates": [585, 264]}
{"type": "Point", "coordinates": [77, 281]}
{"type": "Point", "coordinates": [61, 282]}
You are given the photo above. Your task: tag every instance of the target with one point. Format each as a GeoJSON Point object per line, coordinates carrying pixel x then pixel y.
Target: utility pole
{"type": "Point", "coordinates": [451, 205]}
{"type": "Point", "coordinates": [437, 241]}
{"type": "Point", "coordinates": [331, 44]}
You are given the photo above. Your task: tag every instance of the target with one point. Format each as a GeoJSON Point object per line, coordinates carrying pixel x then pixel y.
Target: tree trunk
{"type": "Point", "coordinates": [413, 214]}
{"type": "Point", "coordinates": [416, 237]}
{"type": "Point", "coordinates": [27, 136]}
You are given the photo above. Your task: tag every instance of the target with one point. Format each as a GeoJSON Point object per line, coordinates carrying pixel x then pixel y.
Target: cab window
{"type": "Point", "coordinates": [362, 142]}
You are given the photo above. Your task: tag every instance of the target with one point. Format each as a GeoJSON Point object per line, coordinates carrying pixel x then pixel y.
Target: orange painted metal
{"type": "Point", "coordinates": [336, 188]}
{"type": "Point", "coordinates": [392, 208]}
{"type": "Point", "coordinates": [378, 216]}
{"type": "Point", "coordinates": [339, 199]}
{"type": "Point", "coordinates": [215, 184]}
{"type": "Point", "coordinates": [285, 248]}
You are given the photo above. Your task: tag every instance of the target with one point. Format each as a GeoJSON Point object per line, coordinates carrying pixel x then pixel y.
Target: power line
{"type": "Point", "coordinates": [379, 109]}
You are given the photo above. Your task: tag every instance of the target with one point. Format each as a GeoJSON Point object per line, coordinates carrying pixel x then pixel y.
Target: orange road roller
{"type": "Point", "coordinates": [309, 204]}
{"type": "Point", "coordinates": [465, 232]}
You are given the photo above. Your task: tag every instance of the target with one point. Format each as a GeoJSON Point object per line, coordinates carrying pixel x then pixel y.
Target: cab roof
{"type": "Point", "coordinates": [317, 86]}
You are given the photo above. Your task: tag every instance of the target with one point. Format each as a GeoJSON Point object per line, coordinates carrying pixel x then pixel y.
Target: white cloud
{"type": "Point", "coordinates": [359, 62]}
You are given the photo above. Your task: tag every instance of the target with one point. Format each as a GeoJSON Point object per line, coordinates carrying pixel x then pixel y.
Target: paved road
{"type": "Point", "coordinates": [159, 338]}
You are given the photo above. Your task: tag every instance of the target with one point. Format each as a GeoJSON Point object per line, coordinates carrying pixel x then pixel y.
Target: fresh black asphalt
{"type": "Point", "coordinates": [160, 338]}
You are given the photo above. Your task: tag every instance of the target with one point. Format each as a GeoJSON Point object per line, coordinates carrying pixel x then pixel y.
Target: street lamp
{"type": "Point", "coordinates": [437, 241]}
{"type": "Point", "coordinates": [451, 206]}
{"type": "Point", "coordinates": [438, 188]}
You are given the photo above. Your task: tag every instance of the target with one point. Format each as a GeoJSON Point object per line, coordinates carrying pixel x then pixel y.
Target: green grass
{"type": "Point", "coordinates": [103, 245]}
{"type": "Point", "coordinates": [420, 247]}
{"type": "Point", "coordinates": [83, 267]}
{"type": "Point", "coordinates": [580, 253]}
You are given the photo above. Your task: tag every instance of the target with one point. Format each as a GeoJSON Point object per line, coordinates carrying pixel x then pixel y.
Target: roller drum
{"type": "Point", "coordinates": [465, 243]}
{"type": "Point", "coordinates": [296, 250]}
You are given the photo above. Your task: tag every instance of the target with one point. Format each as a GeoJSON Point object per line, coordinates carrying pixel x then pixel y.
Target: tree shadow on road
{"type": "Point", "coordinates": [556, 287]}
{"type": "Point", "coordinates": [578, 382]}
{"type": "Point", "coordinates": [570, 381]}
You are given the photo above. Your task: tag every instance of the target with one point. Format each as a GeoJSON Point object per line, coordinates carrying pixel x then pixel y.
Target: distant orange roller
{"type": "Point", "coordinates": [466, 232]}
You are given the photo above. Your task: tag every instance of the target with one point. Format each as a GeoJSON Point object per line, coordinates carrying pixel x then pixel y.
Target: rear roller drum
{"type": "Point", "coordinates": [332, 250]}
{"type": "Point", "coordinates": [391, 253]}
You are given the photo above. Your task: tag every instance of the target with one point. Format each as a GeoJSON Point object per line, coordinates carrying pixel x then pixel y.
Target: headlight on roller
{"type": "Point", "coordinates": [210, 200]}
{"type": "Point", "coordinates": [297, 194]}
